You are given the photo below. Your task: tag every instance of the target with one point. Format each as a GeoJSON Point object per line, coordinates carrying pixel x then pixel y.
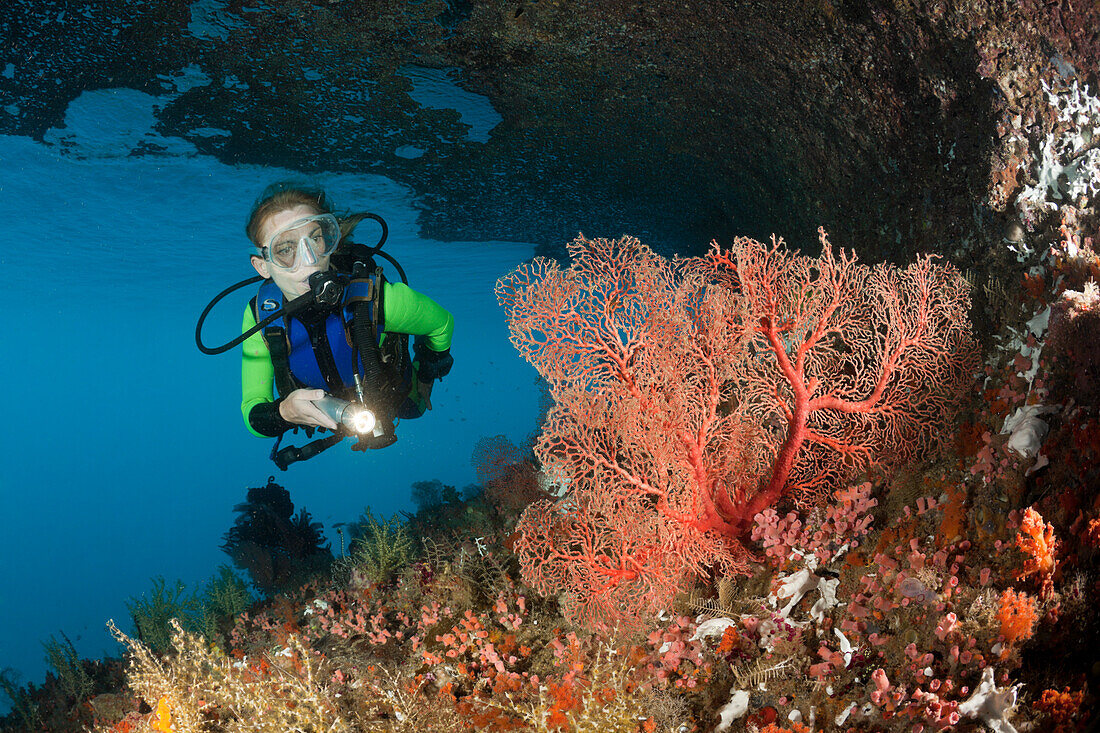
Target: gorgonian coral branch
{"type": "Point", "coordinates": [691, 394]}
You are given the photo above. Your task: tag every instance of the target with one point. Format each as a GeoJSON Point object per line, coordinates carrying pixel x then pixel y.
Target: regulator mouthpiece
{"type": "Point", "coordinates": [327, 288]}
{"type": "Point", "coordinates": [352, 415]}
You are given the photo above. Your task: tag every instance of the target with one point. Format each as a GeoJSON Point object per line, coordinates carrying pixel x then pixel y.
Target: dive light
{"type": "Point", "coordinates": [353, 415]}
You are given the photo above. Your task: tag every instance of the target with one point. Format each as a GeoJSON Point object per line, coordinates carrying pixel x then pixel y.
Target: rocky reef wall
{"type": "Point", "coordinates": [899, 126]}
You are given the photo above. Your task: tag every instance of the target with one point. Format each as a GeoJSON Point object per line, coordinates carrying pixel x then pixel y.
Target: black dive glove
{"type": "Point", "coordinates": [433, 364]}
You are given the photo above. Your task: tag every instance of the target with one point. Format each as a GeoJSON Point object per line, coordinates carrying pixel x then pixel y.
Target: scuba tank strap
{"type": "Point", "coordinates": [394, 349]}
{"type": "Point", "coordinates": [269, 298]}
{"type": "Point", "coordinates": [275, 337]}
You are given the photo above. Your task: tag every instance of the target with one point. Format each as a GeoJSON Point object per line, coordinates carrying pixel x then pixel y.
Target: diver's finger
{"type": "Point", "coordinates": [321, 418]}
{"type": "Point", "coordinates": [324, 421]}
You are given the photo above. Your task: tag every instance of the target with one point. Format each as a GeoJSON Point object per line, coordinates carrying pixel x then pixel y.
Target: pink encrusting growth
{"type": "Point", "coordinates": [690, 395]}
{"type": "Point", "coordinates": [846, 520]}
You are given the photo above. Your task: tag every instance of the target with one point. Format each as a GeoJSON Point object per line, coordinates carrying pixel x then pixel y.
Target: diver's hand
{"type": "Point", "coordinates": [298, 408]}
{"type": "Point", "coordinates": [424, 389]}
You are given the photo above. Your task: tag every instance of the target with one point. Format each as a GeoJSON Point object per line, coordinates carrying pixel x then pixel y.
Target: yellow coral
{"type": "Point", "coordinates": [163, 721]}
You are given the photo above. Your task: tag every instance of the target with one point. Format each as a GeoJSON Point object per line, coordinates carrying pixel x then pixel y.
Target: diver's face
{"type": "Point", "coordinates": [293, 282]}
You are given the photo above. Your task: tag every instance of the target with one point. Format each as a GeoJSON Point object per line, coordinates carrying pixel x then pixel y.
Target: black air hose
{"type": "Point", "coordinates": [366, 344]}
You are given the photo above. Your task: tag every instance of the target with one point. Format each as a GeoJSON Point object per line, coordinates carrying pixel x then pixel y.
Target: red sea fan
{"type": "Point", "coordinates": [691, 395]}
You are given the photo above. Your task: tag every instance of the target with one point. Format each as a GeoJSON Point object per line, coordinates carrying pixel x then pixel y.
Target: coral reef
{"type": "Point", "coordinates": [942, 576]}
{"type": "Point", "coordinates": [271, 543]}
{"type": "Point", "coordinates": [953, 593]}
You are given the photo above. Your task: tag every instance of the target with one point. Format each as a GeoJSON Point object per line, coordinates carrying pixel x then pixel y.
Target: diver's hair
{"type": "Point", "coordinates": [287, 195]}
{"type": "Point", "coordinates": [280, 197]}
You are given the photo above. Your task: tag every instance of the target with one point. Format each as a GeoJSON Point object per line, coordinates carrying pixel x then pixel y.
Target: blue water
{"type": "Point", "coordinates": [124, 449]}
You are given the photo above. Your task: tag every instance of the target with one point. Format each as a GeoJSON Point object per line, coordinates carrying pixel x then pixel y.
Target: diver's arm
{"type": "Point", "coordinates": [406, 311]}
{"type": "Point", "coordinates": [258, 406]}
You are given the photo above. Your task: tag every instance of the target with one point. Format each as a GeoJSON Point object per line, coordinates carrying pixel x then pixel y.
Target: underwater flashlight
{"type": "Point", "coordinates": [352, 415]}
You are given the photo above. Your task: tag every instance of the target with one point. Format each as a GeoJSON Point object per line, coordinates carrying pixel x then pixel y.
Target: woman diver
{"type": "Point", "coordinates": [344, 330]}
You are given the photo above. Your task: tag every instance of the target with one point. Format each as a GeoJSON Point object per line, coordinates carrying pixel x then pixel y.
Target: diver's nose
{"type": "Point", "coordinates": [306, 257]}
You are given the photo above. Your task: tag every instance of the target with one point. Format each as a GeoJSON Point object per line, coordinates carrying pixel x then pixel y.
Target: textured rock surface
{"type": "Point", "coordinates": [899, 126]}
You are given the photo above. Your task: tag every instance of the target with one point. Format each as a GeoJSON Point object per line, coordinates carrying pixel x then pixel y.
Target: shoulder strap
{"type": "Point", "coordinates": [365, 287]}
{"type": "Point", "coordinates": [270, 298]}
{"type": "Point", "coordinates": [365, 309]}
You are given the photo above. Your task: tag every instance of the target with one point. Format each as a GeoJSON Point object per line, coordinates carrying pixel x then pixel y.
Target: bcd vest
{"type": "Point", "coordinates": [319, 355]}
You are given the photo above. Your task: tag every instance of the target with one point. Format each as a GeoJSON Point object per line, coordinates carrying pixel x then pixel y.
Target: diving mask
{"type": "Point", "coordinates": [302, 242]}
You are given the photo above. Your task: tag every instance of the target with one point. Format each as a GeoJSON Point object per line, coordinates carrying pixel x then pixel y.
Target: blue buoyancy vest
{"type": "Point", "coordinates": [323, 361]}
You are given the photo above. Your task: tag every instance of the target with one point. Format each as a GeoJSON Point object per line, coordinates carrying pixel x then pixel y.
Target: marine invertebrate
{"type": "Point", "coordinates": [1036, 541]}
{"type": "Point", "coordinates": [1017, 615]}
{"type": "Point", "coordinates": [507, 474]}
{"type": "Point", "coordinates": [66, 663]}
{"type": "Point", "coordinates": [991, 704]}
{"type": "Point", "coordinates": [152, 614]}
{"type": "Point", "coordinates": [677, 384]}
{"type": "Point", "coordinates": [270, 542]}
{"type": "Point", "coordinates": [1063, 708]}
{"type": "Point", "coordinates": [22, 704]}
{"type": "Point", "coordinates": [846, 519]}
{"type": "Point", "coordinates": [380, 548]}
{"type": "Point", "coordinates": [196, 682]}
{"type": "Point", "coordinates": [639, 359]}
{"type": "Point", "coordinates": [162, 718]}
{"type": "Point", "coordinates": [598, 690]}
{"type": "Point", "coordinates": [865, 364]}
{"type": "Point", "coordinates": [674, 645]}
{"type": "Point", "coordinates": [225, 596]}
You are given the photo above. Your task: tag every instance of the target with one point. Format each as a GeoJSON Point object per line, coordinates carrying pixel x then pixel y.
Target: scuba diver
{"type": "Point", "coordinates": [328, 331]}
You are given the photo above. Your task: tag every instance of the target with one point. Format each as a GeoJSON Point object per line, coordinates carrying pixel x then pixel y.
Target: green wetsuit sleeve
{"type": "Point", "coordinates": [407, 311]}
{"type": "Point", "coordinates": [257, 371]}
